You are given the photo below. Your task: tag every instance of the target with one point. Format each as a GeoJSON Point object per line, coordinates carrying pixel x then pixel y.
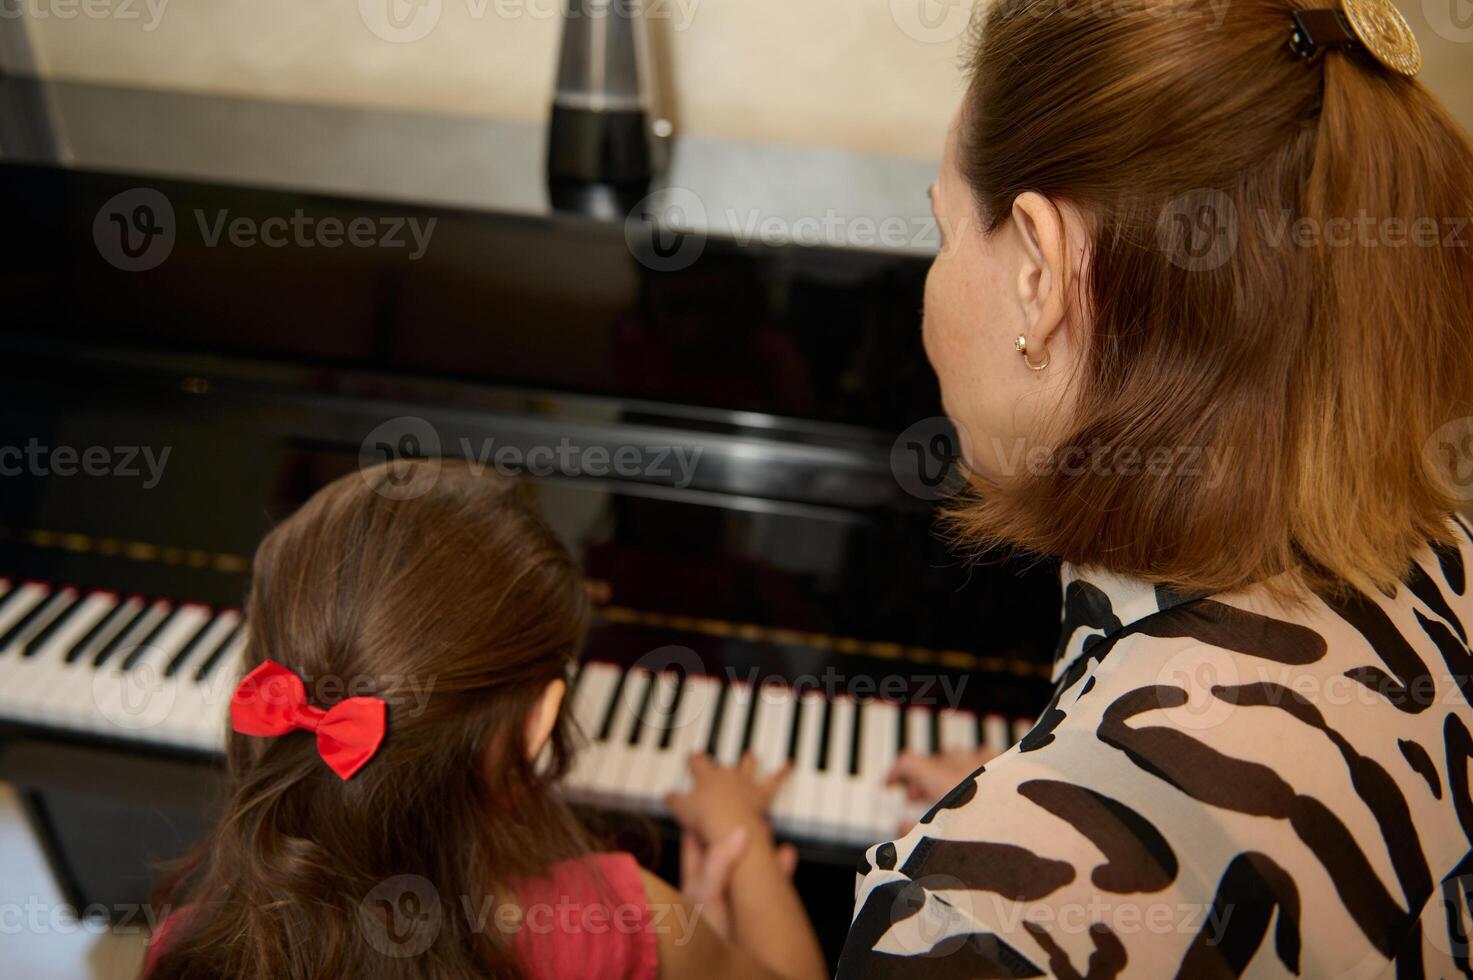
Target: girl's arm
{"type": "Point", "coordinates": [767, 919]}
{"type": "Point", "coordinates": [690, 948]}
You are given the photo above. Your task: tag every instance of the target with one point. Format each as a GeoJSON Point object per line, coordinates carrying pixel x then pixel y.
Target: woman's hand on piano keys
{"type": "Point", "coordinates": [927, 778]}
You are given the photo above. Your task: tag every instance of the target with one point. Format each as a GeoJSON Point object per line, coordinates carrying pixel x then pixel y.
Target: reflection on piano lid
{"type": "Point", "coordinates": [156, 672]}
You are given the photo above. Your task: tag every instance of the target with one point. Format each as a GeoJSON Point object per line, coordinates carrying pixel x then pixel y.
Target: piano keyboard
{"type": "Point", "coordinates": [97, 663]}
{"type": "Point", "coordinates": [104, 664]}
{"type": "Point", "coordinates": [643, 726]}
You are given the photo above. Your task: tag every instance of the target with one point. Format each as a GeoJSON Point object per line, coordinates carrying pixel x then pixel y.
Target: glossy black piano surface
{"type": "Point", "coordinates": [787, 550]}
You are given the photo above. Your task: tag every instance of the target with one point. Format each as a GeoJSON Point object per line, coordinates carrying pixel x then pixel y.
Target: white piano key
{"type": "Point", "coordinates": [919, 740]}
{"type": "Point", "coordinates": [626, 716]}
{"type": "Point", "coordinates": [958, 730]}
{"type": "Point", "coordinates": [607, 782]}
{"type": "Point", "coordinates": [733, 723]}
{"type": "Point", "coordinates": [841, 734]}
{"type": "Point", "coordinates": [661, 703]}
{"type": "Point", "coordinates": [123, 616]}
{"type": "Point", "coordinates": [640, 783]}
{"type": "Point", "coordinates": [1021, 727]}
{"type": "Point", "coordinates": [841, 790]}
{"type": "Point", "coordinates": [995, 735]}
{"type": "Point", "coordinates": [59, 701]}
{"type": "Point", "coordinates": [592, 697]}
{"type": "Point", "coordinates": [56, 604]}
{"type": "Point", "coordinates": [772, 725]}
{"type": "Point", "coordinates": [798, 803]}
{"type": "Point", "coordinates": [132, 695]}
{"type": "Point", "coordinates": [918, 731]}
{"type": "Point", "coordinates": [218, 687]}
{"type": "Point", "coordinates": [20, 602]}
{"type": "Point", "coordinates": [592, 700]}
{"type": "Point", "coordinates": [879, 738]}
{"type": "Point", "coordinates": [22, 699]}
{"type": "Point", "coordinates": [690, 730]}
{"type": "Point", "coordinates": [74, 702]}
{"type": "Point", "coordinates": [195, 718]}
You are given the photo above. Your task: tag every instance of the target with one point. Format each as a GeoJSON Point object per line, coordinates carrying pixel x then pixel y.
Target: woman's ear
{"type": "Point", "coordinates": [543, 716]}
{"type": "Point", "coordinates": [1047, 243]}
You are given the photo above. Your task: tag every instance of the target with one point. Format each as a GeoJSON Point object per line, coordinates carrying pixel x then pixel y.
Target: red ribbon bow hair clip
{"type": "Point", "coordinates": [271, 700]}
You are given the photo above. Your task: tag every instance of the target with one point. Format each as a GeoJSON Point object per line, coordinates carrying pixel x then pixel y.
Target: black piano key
{"type": "Point", "coordinates": [823, 735]}
{"type": "Point", "coordinates": [606, 720]}
{"type": "Point", "coordinates": [668, 729]}
{"type": "Point", "coordinates": [111, 625]}
{"type": "Point", "coordinates": [854, 737]}
{"type": "Point", "coordinates": [935, 716]}
{"type": "Point", "coordinates": [117, 618]}
{"type": "Point", "coordinates": [217, 654]}
{"type": "Point", "coordinates": [982, 731]}
{"type": "Point", "coordinates": [786, 736]}
{"type": "Point", "coordinates": [190, 648]}
{"type": "Point", "coordinates": [798, 710]}
{"type": "Point", "coordinates": [721, 707]}
{"type": "Point", "coordinates": [644, 711]}
{"type": "Point", "coordinates": [40, 637]}
{"type": "Point", "coordinates": [23, 624]}
{"type": "Point", "coordinates": [145, 644]}
{"type": "Point", "coordinates": [751, 721]}
{"type": "Point", "coordinates": [116, 643]}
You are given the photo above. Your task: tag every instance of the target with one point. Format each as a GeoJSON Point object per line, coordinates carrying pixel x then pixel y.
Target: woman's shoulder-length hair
{"type": "Point", "coordinates": [1279, 295]}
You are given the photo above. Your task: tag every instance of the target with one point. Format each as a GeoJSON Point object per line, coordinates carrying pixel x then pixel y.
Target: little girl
{"type": "Point", "coordinates": [391, 807]}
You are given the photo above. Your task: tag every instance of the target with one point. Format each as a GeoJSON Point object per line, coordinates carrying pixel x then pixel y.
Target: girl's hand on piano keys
{"type": "Point", "coordinates": [747, 893]}
{"type": "Point", "coordinates": [723, 799]}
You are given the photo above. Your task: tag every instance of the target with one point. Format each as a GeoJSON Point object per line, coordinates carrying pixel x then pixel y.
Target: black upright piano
{"type": "Point", "coordinates": [738, 439]}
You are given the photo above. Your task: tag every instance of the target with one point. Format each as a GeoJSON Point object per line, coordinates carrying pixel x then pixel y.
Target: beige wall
{"type": "Point", "coordinates": [877, 75]}
{"type": "Point", "coordinates": [743, 69]}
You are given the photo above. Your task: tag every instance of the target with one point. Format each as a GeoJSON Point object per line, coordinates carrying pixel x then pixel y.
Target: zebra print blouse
{"type": "Point", "coordinates": [1218, 788]}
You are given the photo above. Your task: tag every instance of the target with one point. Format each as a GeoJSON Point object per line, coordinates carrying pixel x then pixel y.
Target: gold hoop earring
{"type": "Point", "coordinates": [1022, 345]}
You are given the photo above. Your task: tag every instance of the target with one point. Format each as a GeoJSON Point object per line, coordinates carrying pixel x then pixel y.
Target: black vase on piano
{"type": "Point", "coordinates": [601, 152]}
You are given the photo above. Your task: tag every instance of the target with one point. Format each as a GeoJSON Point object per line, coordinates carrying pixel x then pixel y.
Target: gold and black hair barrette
{"type": "Point", "coordinates": [1373, 26]}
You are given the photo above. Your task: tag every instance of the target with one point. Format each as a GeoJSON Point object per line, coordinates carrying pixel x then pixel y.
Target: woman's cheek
{"type": "Point", "coordinates": [929, 316]}
{"type": "Point", "coordinates": [938, 324]}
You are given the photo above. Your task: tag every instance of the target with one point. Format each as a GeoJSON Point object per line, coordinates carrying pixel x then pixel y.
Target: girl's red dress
{"type": "Point", "coordinates": [587, 918]}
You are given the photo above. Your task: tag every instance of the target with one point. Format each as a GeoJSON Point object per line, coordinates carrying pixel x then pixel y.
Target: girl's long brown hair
{"type": "Point", "coordinates": [1239, 306]}
{"type": "Point", "coordinates": [422, 578]}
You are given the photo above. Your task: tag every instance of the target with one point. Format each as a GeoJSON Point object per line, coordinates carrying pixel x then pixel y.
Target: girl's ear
{"type": "Point", "coordinates": [543, 716]}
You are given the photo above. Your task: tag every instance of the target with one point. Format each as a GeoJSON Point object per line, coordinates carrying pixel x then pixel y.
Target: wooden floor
{"type": "Point", "coordinates": [37, 940]}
